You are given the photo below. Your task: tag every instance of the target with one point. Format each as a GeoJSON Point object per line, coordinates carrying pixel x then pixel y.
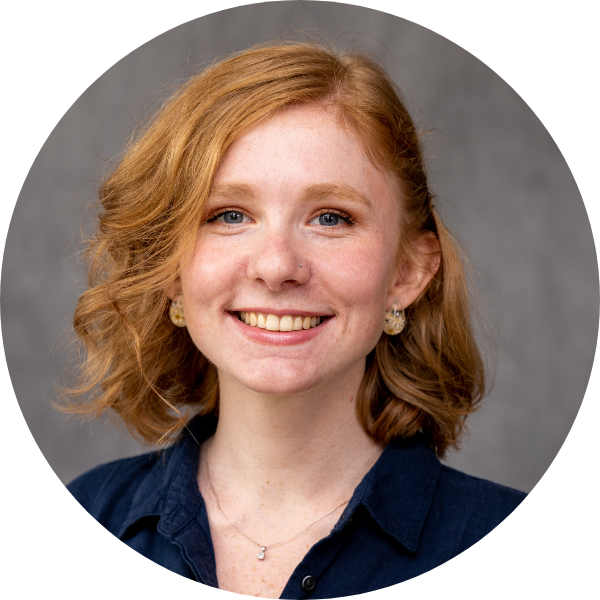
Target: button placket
{"type": "Point", "coordinates": [316, 562]}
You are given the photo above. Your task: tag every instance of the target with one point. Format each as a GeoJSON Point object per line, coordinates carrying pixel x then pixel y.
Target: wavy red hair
{"type": "Point", "coordinates": [137, 363]}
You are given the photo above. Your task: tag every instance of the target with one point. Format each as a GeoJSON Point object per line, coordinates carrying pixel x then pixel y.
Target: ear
{"type": "Point", "coordinates": [175, 289]}
{"type": "Point", "coordinates": [416, 273]}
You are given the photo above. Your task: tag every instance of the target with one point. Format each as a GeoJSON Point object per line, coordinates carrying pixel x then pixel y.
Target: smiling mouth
{"type": "Point", "coordinates": [275, 323]}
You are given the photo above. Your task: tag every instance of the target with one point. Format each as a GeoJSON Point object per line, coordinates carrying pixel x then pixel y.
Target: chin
{"type": "Point", "coordinates": [281, 384]}
{"type": "Point", "coordinates": [281, 389]}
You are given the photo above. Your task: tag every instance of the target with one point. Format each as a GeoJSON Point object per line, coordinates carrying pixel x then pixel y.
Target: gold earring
{"type": "Point", "coordinates": [395, 319]}
{"type": "Point", "coordinates": [176, 311]}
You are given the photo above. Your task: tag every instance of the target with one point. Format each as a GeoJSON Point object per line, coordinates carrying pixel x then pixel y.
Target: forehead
{"type": "Point", "coordinates": [301, 147]}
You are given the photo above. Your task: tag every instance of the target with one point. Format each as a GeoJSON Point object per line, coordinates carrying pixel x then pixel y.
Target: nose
{"type": "Point", "coordinates": [278, 262]}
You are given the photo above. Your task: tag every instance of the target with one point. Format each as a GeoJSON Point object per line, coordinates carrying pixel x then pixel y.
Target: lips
{"type": "Point", "coordinates": [272, 322]}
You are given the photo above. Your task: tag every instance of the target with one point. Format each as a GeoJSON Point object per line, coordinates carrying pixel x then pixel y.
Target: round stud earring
{"type": "Point", "coordinates": [395, 319]}
{"type": "Point", "coordinates": [176, 311]}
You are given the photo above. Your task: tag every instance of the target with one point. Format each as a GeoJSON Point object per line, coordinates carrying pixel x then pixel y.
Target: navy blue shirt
{"type": "Point", "coordinates": [408, 515]}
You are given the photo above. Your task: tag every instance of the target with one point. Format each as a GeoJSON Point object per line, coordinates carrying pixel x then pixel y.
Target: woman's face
{"type": "Point", "coordinates": [299, 224]}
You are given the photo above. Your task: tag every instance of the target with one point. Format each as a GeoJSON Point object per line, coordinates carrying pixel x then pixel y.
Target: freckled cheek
{"type": "Point", "coordinates": [358, 278]}
{"type": "Point", "coordinates": [207, 280]}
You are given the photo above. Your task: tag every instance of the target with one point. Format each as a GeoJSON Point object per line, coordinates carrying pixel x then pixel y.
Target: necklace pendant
{"type": "Point", "coordinates": [262, 553]}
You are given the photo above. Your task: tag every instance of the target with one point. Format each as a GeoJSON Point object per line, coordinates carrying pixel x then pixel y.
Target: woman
{"type": "Point", "coordinates": [269, 259]}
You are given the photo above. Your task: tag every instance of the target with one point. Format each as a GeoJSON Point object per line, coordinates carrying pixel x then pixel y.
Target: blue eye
{"type": "Point", "coordinates": [329, 219]}
{"type": "Point", "coordinates": [229, 217]}
{"type": "Point", "coordinates": [232, 216]}
{"type": "Point", "coordinates": [332, 218]}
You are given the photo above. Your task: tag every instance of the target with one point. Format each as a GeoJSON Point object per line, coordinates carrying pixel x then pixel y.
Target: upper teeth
{"type": "Point", "coordinates": [275, 323]}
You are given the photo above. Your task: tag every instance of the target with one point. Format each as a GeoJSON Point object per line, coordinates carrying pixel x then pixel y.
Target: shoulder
{"type": "Point", "coordinates": [108, 491]}
{"type": "Point", "coordinates": [112, 477]}
{"type": "Point", "coordinates": [475, 490]}
{"type": "Point", "coordinates": [154, 485]}
{"type": "Point", "coordinates": [478, 505]}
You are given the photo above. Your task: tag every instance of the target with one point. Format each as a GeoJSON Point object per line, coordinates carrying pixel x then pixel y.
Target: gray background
{"type": "Point", "coordinates": [502, 186]}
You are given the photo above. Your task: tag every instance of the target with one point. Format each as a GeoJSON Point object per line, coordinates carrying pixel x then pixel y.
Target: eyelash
{"type": "Point", "coordinates": [332, 211]}
{"type": "Point", "coordinates": [223, 211]}
{"type": "Point", "coordinates": [329, 211]}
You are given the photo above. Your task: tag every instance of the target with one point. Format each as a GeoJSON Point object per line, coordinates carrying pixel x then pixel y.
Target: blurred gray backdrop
{"type": "Point", "coordinates": [502, 186]}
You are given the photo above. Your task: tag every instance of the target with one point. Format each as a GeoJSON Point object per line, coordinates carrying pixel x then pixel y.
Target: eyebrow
{"type": "Point", "coordinates": [232, 190]}
{"type": "Point", "coordinates": [322, 191]}
{"type": "Point", "coordinates": [318, 191]}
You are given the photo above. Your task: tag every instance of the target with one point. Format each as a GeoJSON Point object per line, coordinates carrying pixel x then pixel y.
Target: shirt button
{"type": "Point", "coordinates": [309, 583]}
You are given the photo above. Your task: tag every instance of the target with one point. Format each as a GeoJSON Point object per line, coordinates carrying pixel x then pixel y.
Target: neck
{"type": "Point", "coordinates": [289, 450]}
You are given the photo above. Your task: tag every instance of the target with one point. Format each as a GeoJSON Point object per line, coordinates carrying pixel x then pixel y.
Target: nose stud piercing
{"type": "Point", "coordinates": [300, 265]}
{"type": "Point", "coordinates": [176, 311]}
{"type": "Point", "coordinates": [395, 319]}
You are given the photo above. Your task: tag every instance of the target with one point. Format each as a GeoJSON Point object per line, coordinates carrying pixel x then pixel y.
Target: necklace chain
{"type": "Point", "coordinates": [263, 549]}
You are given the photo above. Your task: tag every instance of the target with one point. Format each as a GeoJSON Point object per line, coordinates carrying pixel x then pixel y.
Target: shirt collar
{"type": "Point", "coordinates": [397, 492]}
{"type": "Point", "coordinates": [170, 489]}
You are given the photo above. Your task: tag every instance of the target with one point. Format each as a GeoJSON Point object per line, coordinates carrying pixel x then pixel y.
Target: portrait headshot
{"type": "Point", "coordinates": [300, 300]}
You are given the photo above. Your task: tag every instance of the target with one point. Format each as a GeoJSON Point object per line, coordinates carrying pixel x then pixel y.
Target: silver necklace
{"type": "Point", "coordinates": [263, 549]}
